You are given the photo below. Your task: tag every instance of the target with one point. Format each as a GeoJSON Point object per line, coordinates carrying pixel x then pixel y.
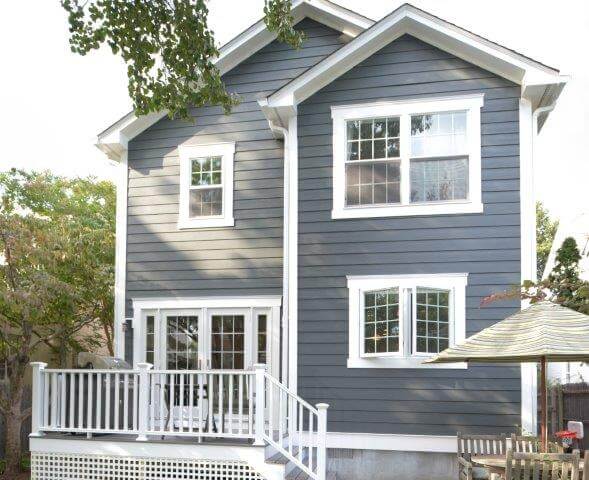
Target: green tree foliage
{"type": "Point", "coordinates": [545, 231]}
{"type": "Point", "coordinates": [56, 277]}
{"type": "Point", "coordinates": [563, 285]}
{"type": "Point", "coordinates": [167, 46]}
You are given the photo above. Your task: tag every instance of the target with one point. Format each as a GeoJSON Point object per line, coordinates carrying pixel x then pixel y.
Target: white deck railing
{"type": "Point", "coordinates": [190, 403]}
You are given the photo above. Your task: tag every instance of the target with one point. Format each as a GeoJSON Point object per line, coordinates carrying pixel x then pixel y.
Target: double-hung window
{"type": "Point", "coordinates": [407, 158]}
{"type": "Point", "coordinates": [395, 321]}
{"type": "Point", "coordinates": [206, 185]}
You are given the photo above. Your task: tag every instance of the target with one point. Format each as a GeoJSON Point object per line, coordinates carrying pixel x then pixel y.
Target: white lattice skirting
{"type": "Point", "coordinates": [67, 466]}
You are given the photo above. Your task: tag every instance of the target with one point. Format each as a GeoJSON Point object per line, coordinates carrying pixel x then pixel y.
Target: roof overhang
{"type": "Point", "coordinates": [114, 140]}
{"type": "Point", "coordinates": [540, 84]}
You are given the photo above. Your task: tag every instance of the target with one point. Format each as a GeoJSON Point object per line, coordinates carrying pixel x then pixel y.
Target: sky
{"type": "Point", "coordinates": [55, 102]}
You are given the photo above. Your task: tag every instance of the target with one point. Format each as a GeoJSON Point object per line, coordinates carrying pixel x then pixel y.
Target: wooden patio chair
{"type": "Point", "coordinates": [469, 445]}
{"type": "Point", "coordinates": [534, 466]}
{"type": "Point", "coordinates": [525, 443]}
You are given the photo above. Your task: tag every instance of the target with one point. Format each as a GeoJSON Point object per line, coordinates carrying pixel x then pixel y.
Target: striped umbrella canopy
{"type": "Point", "coordinates": [543, 332]}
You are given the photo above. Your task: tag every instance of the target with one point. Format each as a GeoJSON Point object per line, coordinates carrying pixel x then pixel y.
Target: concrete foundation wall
{"type": "Point", "coordinates": [391, 465]}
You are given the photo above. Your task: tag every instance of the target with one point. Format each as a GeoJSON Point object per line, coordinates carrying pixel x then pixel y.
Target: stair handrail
{"type": "Point", "coordinates": [291, 412]}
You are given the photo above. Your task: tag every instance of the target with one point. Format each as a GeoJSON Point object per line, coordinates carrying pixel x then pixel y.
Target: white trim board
{"type": "Point", "coordinates": [392, 442]}
{"type": "Point", "coordinates": [435, 31]}
{"type": "Point", "coordinates": [206, 302]}
{"type": "Point", "coordinates": [114, 139]}
{"type": "Point", "coordinates": [120, 257]}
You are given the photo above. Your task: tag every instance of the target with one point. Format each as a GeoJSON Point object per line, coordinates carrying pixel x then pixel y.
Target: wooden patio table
{"type": "Point", "coordinates": [497, 463]}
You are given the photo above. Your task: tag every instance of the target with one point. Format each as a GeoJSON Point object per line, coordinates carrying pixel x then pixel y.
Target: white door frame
{"type": "Point", "coordinates": [202, 306]}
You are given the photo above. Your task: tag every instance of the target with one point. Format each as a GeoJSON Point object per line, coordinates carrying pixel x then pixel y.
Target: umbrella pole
{"type": "Point", "coordinates": [543, 405]}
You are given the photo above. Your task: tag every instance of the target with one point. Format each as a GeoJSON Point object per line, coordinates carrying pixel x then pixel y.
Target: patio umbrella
{"type": "Point", "coordinates": [544, 332]}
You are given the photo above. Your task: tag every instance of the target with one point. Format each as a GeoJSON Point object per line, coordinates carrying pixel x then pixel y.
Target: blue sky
{"type": "Point", "coordinates": [54, 102]}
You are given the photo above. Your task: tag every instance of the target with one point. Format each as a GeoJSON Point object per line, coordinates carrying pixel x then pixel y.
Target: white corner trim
{"type": "Point", "coordinates": [120, 256]}
{"type": "Point", "coordinates": [529, 400]}
{"type": "Point", "coordinates": [358, 284]}
{"type": "Point", "coordinates": [471, 104]}
{"type": "Point", "coordinates": [403, 443]}
{"type": "Point", "coordinates": [188, 152]}
{"type": "Point", "coordinates": [293, 252]}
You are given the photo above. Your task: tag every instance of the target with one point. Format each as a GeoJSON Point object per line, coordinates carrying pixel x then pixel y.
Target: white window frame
{"type": "Point", "coordinates": [359, 284]}
{"type": "Point", "coordinates": [187, 153]}
{"type": "Point", "coordinates": [404, 109]}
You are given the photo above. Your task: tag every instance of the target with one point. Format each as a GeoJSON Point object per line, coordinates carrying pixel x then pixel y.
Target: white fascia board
{"type": "Point", "coordinates": [430, 29]}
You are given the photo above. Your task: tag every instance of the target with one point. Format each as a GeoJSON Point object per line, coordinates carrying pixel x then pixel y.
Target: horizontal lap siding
{"type": "Point", "coordinates": [487, 246]}
{"type": "Point", "coordinates": [246, 259]}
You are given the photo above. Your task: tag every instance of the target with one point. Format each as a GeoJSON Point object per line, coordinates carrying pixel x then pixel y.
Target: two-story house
{"type": "Point", "coordinates": [283, 271]}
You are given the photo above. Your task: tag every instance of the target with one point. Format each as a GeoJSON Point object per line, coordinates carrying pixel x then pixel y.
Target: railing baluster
{"type": "Point", "coordinates": [311, 441]}
{"type": "Point", "coordinates": [62, 397]}
{"type": "Point", "coordinates": [72, 403]}
{"type": "Point", "coordinates": [221, 426]}
{"type": "Point", "coordinates": [240, 404]}
{"type": "Point", "coordinates": [135, 402]}
{"type": "Point", "coordinates": [53, 400]}
{"type": "Point", "coordinates": [230, 406]}
{"type": "Point", "coordinates": [126, 402]}
{"type": "Point", "coordinates": [289, 422]}
{"type": "Point", "coordinates": [201, 388]}
{"type": "Point", "coordinates": [271, 411]}
{"type": "Point", "coordinates": [181, 402]}
{"type": "Point", "coordinates": [46, 399]}
{"type": "Point", "coordinates": [107, 393]}
{"type": "Point", "coordinates": [163, 380]}
{"type": "Point", "coordinates": [280, 418]}
{"type": "Point", "coordinates": [152, 397]}
{"type": "Point", "coordinates": [80, 400]}
{"type": "Point", "coordinates": [191, 402]}
{"type": "Point", "coordinates": [98, 416]}
{"type": "Point", "coordinates": [250, 404]}
{"type": "Point", "coordinates": [211, 391]}
{"type": "Point", "coordinates": [170, 418]}
{"type": "Point", "coordinates": [117, 404]}
{"type": "Point", "coordinates": [89, 402]}
{"type": "Point", "coordinates": [300, 433]}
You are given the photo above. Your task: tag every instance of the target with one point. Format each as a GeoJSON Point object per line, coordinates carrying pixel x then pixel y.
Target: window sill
{"type": "Point", "coordinates": [205, 223]}
{"type": "Point", "coordinates": [408, 210]}
{"type": "Point", "coordinates": [401, 362]}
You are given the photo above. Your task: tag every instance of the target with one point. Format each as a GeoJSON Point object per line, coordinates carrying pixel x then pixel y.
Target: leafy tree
{"type": "Point", "coordinates": [56, 277]}
{"type": "Point", "coordinates": [563, 285]}
{"type": "Point", "coordinates": [167, 46]}
{"type": "Point", "coordinates": [545, 231]}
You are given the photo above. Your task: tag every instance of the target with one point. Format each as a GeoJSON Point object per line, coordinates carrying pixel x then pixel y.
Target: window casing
{"type": "Point", "coordinates": [416, 157]}
{"type": "Point", "coordinates": [206, 185]}
{"type": "Point", "coordinates": [398, 321]}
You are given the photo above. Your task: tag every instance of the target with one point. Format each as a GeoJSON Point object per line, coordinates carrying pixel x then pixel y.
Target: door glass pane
{"type": "Point", "coordinates": [227, 342]}
{"type": "Point", "coordinates": [262, 338]}
{"type": "Point", "coordinates": [150, 339]}
{"type": "Point", "coordinates": [182, 342]}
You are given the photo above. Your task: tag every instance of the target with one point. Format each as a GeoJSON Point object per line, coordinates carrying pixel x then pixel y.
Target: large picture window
{"type": "Point", "coordinates": [206, 185]}
{"type": "Point", "coordinates": [395, 321]}
{"type": "Point", "coordinates": [407, 158]}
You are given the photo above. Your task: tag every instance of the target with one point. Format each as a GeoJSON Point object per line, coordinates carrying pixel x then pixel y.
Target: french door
{"type": "Point", "coordinates": [209, 338]}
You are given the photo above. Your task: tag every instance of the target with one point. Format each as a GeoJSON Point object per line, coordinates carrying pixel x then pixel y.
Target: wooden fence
{"type": "Point", "coordinates": [568, 402]}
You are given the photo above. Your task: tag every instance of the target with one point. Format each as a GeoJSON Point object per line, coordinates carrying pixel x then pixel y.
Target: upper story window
{"type": "Point", "coordinates": [206, 185]}
{"type": "Point", "coordinates": [397, 320]}
{"type": "Point", "coordinates": [407, 158]}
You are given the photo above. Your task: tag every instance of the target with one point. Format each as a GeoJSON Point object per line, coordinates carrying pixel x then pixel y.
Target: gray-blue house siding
{"type": "Point", "coordinates": [247, 259]}
{"type": "Point", "coordinates": [487, 246]}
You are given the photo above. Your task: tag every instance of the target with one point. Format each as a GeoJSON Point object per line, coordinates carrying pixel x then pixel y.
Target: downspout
{"type": "Point", "coordinates": [285, 250]}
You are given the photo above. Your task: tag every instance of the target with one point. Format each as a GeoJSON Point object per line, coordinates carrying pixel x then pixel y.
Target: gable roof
{"type": "Point", "coordinates": [113, 140]}
{"type": "Point", "coordinates": [540, 83]}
